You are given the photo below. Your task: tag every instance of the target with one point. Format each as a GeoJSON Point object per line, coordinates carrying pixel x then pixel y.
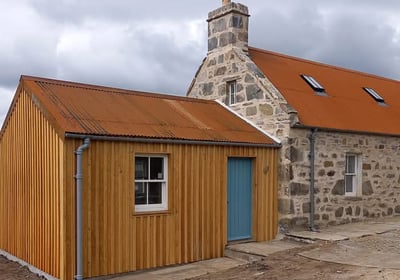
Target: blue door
{"type": "Point", "coordinates": [240, 177]}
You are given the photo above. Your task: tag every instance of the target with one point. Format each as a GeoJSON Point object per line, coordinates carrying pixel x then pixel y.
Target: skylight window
{"type": "Point", "coordinates": [314, 84]}
{"type": "Point", "coordinates": [375, 95]}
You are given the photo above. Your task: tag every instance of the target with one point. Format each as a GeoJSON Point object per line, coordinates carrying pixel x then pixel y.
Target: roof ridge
{"type": "Point", "coordinates": [109, 89]}
{"type": "Point", "coordinates": [324, 64]}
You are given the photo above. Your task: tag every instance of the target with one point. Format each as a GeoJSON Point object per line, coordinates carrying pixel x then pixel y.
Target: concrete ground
{"type": "Point", "coordinates": [370, 244]}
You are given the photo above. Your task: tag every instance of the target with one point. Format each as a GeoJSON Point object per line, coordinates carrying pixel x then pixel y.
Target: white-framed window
{"type": "Point", "coordinates": [352, 175]}
{"type": "Point", "coordinates": [151, 183]}
{"type": "Point", "coordinates": [232, 91]}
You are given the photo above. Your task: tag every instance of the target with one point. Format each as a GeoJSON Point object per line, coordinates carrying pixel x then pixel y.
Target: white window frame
{"type": "Point", "coordinates": [356, 175]}
{"type": "Point", "coordinates": [164, 185]}
{"type": "Point", "coordinates": [232, 92]}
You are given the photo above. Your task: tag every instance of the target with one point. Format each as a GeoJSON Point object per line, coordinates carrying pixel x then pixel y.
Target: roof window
{"type": "Point", "coordinates": [375, 95]}
{"type": "Point", "coordinates": [314, 84]}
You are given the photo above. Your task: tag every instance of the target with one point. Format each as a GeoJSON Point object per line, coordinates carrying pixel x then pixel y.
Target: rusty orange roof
{"type": "Point", "coordinates": [346, 107]}
{"type": "Point", "coordinates": [94, 110]}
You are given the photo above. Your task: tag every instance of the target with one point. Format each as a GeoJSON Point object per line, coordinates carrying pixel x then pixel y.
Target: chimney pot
{"type": "Point", "coordinates": [225, 2]}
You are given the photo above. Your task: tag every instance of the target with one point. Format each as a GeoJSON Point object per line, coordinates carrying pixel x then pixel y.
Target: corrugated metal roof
{"type": "Point", "coordinates": [88, 109]}
{"type": "Point", "coordinates": [346, 107]}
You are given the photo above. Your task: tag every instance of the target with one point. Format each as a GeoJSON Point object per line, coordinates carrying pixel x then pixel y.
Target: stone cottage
{"type": "Point", "coordinates": [339, 128]}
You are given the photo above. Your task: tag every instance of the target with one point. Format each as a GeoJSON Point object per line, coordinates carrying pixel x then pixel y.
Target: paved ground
{"type": "Point", "coordinates": [380, 251]}
{"type": "Point", "coordinates": [347, 251]}
{"type": "Point", "coordinates": [367, 250]}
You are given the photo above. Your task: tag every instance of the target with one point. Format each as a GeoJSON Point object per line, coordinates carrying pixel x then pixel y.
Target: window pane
{"type": "Point", "coordinates": [155, 193]}
{"type": "Point", "coordinates": [232, 92]}
{"type": "Point", "coordinates": [140, 193]}
{"type": "Point", "coordinates": [349, 183]}
{"type": "Point", "coordinates": [141, 168]}
{"type": "Point", "coordinates": [156, 169]}
{"type": "Point", "coordinates": [351, 164]}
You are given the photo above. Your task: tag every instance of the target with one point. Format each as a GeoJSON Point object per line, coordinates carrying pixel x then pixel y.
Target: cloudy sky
{"type": "Point", "coordinates": [158, 45]}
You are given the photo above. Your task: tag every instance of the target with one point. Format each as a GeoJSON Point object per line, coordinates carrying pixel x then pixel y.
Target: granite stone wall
{"type": "Point", "coordinates": [379, 195]}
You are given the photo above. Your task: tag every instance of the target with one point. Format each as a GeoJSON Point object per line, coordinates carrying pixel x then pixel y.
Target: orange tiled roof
{"type": "Point", "coordinates": [88, 109]}
{"type": "Point", "coordinates": [346, 107]}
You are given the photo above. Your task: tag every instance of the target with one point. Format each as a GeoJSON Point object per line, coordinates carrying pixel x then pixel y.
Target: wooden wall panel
{"type": "Point", "coordinates": [30, 183]}
{"type": "Point", "coordinates": [116, 239]}
{"type": "Point", "coordinates": [37, 200]}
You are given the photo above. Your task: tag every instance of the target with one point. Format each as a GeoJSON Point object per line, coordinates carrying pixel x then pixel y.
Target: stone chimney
{"type": "Point", "coordinates": [228, 26]}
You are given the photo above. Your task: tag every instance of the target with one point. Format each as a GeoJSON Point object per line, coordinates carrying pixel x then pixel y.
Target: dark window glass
{"type": "Point", "coordinates": [155, 193]}
{"type": "Point", "coordinates": [351, 164]}
{"type": "Point", "coordinates": [141, 168]}
{"type": "Point", "coordinates": [349, 183]}
{"type": "Point", "coordinates": [156, 168]}
{"type": "Point", "coordinates": [140, 193]}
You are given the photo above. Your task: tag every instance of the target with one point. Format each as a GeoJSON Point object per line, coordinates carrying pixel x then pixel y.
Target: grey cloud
{"type": "Point", "coordinates": [355, 43]}
{"type": "Point", "coordinates": [339, 33]}
{"type": "Point", "coordinates": [76, 11]}
{"type": "Point", "coordinates": [296, 32]}
{"type": "Point", "coordinates": [149, 61]}
{"type": "Point", "coordinates": [354, 34]}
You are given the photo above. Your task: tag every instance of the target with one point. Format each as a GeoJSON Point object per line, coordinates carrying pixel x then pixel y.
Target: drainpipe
{"type": "Point", "coordinates": [78, 180]}
{"type": "Point", "coordinates": [312, 177]}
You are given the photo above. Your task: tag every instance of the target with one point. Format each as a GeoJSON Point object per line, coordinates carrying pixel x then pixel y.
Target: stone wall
{"type": "Point", "coordinates": [380, 193]}
{"type": "Point", "coordinates": [257, 98]}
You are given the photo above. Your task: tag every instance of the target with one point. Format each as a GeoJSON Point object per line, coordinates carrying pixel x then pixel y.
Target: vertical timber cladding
{"type": "Point", "coordinates": [116, 239]}
{"type": "Point", "coordinates": [30, 183]}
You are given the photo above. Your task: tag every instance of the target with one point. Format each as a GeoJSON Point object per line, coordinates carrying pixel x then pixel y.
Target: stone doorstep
{"type": "Point", "coordinates": [247, 257]}
{"type": "Point", "coordinates": [256, 251]}
{"type": "Point", "coordinates": [307, 236]}
{"type": "Point", "coordinates": [347, 231]}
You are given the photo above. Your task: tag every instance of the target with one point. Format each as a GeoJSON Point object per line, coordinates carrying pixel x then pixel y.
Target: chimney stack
{"type": "Point", "coordinates": [228, 26]}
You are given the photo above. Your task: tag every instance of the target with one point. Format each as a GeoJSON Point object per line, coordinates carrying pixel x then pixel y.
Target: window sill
{"type": "Point", "coordinates": [353, 198]}
{"type": "Point", "coordinates": [152, 213]}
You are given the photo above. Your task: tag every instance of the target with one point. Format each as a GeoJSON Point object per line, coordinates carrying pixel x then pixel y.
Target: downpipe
{"type": "Point", "coordinates": [78, 180]}
{"type": "Point", "coordinates": [312, 178]}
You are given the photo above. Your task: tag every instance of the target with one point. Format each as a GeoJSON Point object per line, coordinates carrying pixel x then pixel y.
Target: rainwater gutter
{"type": "Point", "coordinates": [78, 180]}
{"type": "Point", "coordinates": [312, 177]}
{"type": "Point", "coordinates": [169, 141]}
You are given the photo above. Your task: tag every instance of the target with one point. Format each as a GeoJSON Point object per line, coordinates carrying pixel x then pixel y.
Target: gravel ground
{"type": "Point", "coordinates": [10, 270]}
